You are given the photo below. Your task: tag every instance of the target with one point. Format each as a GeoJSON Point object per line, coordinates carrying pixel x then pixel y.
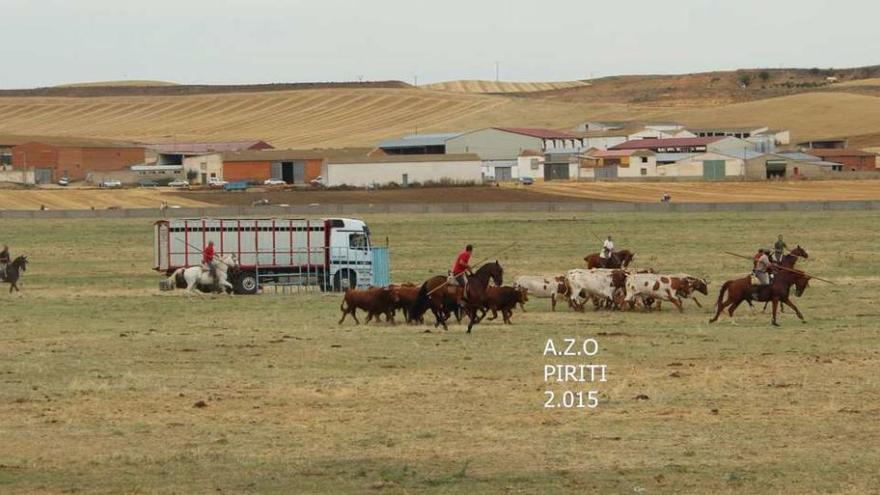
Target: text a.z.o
{"type": "Point", "coordinates": [569, 378]}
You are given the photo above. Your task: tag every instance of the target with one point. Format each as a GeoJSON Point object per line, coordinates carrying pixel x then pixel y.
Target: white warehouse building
{"type": "Point", "coordinates": [363, 171]}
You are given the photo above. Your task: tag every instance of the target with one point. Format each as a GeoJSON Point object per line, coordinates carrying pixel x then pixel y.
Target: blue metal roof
{"type": "Point", "coordinates": [419, 140]}
{"type": "Point", "coordinates": [796, 155]}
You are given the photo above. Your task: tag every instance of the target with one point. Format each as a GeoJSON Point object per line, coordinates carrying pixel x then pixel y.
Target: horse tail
{"type": "Point", "coordinates": [421, 303]}
{"type": "Point", "coordinates": [724, 289]}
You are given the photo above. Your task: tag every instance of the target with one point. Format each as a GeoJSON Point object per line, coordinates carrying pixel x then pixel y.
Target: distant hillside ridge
{"type": "Point", "coordinates": [91, 90]}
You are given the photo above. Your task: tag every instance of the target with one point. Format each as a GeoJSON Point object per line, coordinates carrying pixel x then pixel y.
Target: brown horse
{"type": "Point", "coordinates": [443, 299]}
{"type": "Point", "coordinates": [618, 259]}
{"type": "Point", "coordinates": [741, 289]}
{"type": "Point", "coordinates": [788, 261]}
{"type": "Point", "coordinates": [13, 272]}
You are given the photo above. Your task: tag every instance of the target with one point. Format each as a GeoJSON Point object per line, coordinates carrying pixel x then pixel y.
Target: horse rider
{"type": "Point", "coordinates": [779, 249]}
{"type": "Point", "coordinates": [607, 248]}
{"type": "Point", "coordinates": [209, 265]}
{"type": "Point", "coordinates": [461, 267]}
{"type": "Point", "coordinates": [5, 259]}
{"type": "Point", "coordinates": [762, 266]}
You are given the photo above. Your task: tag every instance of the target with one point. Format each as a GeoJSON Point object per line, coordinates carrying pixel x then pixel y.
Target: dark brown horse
{"type": "Point", "coordinates": [788, 261]}
{"type": "Point", "coordinates": [13, 272]}
{"type": "Point", "coordinates": [741, 289]}
{"type": "Point", "coordinates": [441, 298]}
{"type": "Point", "coordinates": [618, 259]}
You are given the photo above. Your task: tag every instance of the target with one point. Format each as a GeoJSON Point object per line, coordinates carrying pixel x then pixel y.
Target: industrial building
{"type": "Point", "coordinates": [366, 171]}
{"type": "Point", "coordinates": [74, 158]}
{"type": "Point", "coordinates": [291, 166]}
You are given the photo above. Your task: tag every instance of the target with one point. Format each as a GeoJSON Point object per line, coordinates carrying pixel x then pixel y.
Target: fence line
{"type": "Point", "coordinates": [422, 208]}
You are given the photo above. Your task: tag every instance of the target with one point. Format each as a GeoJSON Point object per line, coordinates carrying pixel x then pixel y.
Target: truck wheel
{"type": "Point", "coordinates": [246, 283]}
{"type": "Point", "coordinates": [344, 279]}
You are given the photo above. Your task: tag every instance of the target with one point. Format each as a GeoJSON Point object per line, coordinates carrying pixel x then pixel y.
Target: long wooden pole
{"type": "Point", "coordinates": [792, 270]}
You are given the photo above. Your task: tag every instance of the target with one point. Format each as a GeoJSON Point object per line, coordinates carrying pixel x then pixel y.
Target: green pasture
{"type": "Point", "coordinates": [101, 374]}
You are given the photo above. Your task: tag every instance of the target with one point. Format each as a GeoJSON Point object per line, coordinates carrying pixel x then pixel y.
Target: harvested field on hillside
{"type": "Point", "coordinates": [482, 86]}
{"type": "Point", "coordinates": [303, 119]}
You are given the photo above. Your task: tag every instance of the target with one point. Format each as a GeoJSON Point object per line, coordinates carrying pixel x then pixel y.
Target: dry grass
{"type": "Point", "coordinates": [304, 118]}
{"type": "Point", "coordinates": [98, 392]}
{"type": "Point", "coordinates": [482, 86]}
{"type": "Point", "coordinates": [84, 199]}
{"type": "Point", "coordinates": [718, 192]}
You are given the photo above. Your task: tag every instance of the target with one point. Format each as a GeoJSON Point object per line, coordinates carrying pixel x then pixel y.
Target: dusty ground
{"type": "Point", "coordinates": [58, 198]}
{"type": "Point", "coordinates": [101, 374]}
{"type": "Point", "coordinates": [718, 192]}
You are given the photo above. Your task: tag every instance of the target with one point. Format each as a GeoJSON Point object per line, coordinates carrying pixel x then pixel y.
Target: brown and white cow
{"type": "Point", "coordinates": [375, 301]}
{"type": "Point", "coordinates": [650, 287]}
{"type": "Point", "coordinates": [543, 287]}
{"type": "Point", "coordinates": [600, 285]}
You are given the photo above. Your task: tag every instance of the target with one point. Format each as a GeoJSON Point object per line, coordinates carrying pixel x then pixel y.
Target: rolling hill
{"type": "Point", "coordinates": [360, 114]}
{"type": "Point", "coordinates": [480, 86]}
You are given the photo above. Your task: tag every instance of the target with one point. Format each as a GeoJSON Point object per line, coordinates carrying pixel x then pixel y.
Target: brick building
{"type": "Point", "coordinates": [851, 159]}
{"type": "Point", "coordinates": [54, 158]}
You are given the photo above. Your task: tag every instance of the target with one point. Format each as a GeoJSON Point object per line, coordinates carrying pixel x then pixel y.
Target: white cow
{"type": "Point", "coordinates": [543, 287]}
{"type": "Point", "coordinates": [659, 287]}
{"type": "Point", "coordinates": [599, 284]}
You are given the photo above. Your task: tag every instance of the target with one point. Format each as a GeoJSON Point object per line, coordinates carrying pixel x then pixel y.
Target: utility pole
{"type": "Point", "coordinates": [497, 71]}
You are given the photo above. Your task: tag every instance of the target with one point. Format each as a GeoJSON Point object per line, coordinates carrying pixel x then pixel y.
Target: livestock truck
{"type": "Point", "coordinates": [332, 253]}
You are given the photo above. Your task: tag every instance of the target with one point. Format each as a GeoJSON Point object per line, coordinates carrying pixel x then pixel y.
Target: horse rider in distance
{"type": "Point", "coordinates": [779, 249]}
{"type": "Point", "coordinates": [209, 265]}
{"type": "Point", "coordinates": [5, 259]}
{"type": "Point", "coordinates": [607, 248]}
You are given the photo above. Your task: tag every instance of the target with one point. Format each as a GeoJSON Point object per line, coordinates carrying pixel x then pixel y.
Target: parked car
{"type": "Point", "coordinates": [274, 182]}
{"type": "Point", "coordinates": [215, 183]}
{"type": "Point", "coordinates": [110, 184]}
{"type": "Point", "coordinates": [241, 185]}
{"type": "Point", "coordinates": [526, 181]}
{"type": "Point", "coordinates": [179, 183]}
{"type": "Point", "coordinates": [147, 183]}
{"type": "Point", "coordinates": [64, 181]}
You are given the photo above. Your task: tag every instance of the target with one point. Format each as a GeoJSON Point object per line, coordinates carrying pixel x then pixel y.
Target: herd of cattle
{"type": "Point", "coordinates": [616, 289]}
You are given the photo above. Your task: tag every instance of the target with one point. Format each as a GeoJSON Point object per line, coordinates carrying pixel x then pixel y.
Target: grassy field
{"type": "Point", "coordinates": [100, 372]}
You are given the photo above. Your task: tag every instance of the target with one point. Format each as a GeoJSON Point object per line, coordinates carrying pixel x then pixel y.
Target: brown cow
{"type": "Point", "coordinates": [375, 301]}
{"type": "Point", "coordinates": [505, 299]}
{"type": "Point", "coordinates": [407, 294]}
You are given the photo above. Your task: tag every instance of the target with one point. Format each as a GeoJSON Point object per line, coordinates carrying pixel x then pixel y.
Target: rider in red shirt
{"type": "Point", "coordinates": [461, 266]}
{"type": "Point", "coordinates": [208, 254]}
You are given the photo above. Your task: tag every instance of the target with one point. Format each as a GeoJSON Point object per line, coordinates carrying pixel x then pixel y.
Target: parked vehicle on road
{"type": "Point", "coordinates": [236, 186]}
{"type": "Point", "coordinates": [64, 181]}
{"type": "Point", "coordinates": [215, 183]}
{"type": "Point", "coordinates": [110, 184]}
{"type": "Point", "coordinates": [526, 181]}
{"type": "Point", "coordinates": [180, 183]}
{"type": "Point", "coordinates": [147, 183]}
{"type": "Point", "coordinates": [274, 182]}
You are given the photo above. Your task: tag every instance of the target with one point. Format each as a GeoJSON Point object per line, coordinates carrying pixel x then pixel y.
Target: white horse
{"type": "Point", "coordinates": [195, 277]}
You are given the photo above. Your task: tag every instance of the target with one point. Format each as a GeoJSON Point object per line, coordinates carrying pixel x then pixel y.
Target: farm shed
{"type": "Point", "coordinates": [717, 144]}
{"type": "Point", "coordinates": [851, 159]}
{"type": "Point", "coordinates": [75, 158]}
{"type": "Point", "coordinates": [418, 144]}
{"type": "Point", "coordinates": [291, 166]}
{"type": "Point", "coordinates": [500, 147]}
{"type": "Point", "coordinates": [401, 169]}
{"type": "Point", "coordinates": [174, 153]}
{"type": "Point", "coordinates": [709, 166]}
{"type": "Point", "coordinates": [779, 166]}
{"type": "Point", "coordinates": [611, 164]}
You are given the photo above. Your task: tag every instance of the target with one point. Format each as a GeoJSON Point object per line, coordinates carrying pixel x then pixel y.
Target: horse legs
{"type": "Point", "coordinates": [775, 306]}
{"type": "Point", "coordinates": [736, 305]}
{"type": "Point", "coordinates": [697, 302]}
{"type": "Point", "coordinates": [790, 304]}
{"type": "Point", "coordinates": [506, 313]}
{"type": "Point", "coordinates": [495, 314]}
{"type": "Point", "coordinates": [719, 310]}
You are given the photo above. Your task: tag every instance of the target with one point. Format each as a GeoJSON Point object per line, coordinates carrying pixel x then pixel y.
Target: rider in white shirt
{"type": "Point", "coordinates": [607, 247]}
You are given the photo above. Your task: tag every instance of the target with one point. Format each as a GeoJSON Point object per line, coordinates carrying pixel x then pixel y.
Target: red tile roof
{"type": "Point", "coordinates": [539, 133]}
{"type": "Point", "coordinates": [641, 144]}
